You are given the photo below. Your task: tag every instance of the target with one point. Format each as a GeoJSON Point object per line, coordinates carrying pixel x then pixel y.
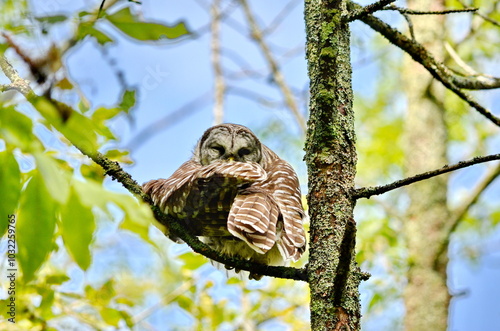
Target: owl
{"type": "Point", "coordinates": [238, 196]}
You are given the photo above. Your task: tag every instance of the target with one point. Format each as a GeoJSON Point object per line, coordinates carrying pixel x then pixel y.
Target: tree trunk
{"type": "Point", "coordinates": [331, 159]}
{"type": "Point", "coordinates": [426, 296]}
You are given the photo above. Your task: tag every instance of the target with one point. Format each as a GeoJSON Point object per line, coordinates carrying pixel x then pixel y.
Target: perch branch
{"type": "Point", "coordinates": [114, 170]}
{"type": "Point", "coordinates": [367, 192]}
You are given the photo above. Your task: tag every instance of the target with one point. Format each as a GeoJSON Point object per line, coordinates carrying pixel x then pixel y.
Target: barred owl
{"type": "Point", "coordinates": [238, 196]}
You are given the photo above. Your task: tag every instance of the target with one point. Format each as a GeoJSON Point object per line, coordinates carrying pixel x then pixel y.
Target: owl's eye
{"type": "Point", "coordinates": [243, 151]}
{"type": "Point", "coordinates": [219, 149]}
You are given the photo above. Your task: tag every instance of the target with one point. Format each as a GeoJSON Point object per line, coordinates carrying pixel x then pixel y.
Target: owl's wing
{"type": "Point", "coordinates": [161, 190]}
{"type": "Point", "coordinates": [253, 217]}
{"type": "Point", "coordinates": [245, 172]}
{"type": "Point", "coordinates": [286, 192]}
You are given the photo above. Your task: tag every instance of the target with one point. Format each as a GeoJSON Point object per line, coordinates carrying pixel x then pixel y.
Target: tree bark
{"type": "Point", "coordinates": [426, 296]}
{"type": "Point", "coordinates": [331, 159]}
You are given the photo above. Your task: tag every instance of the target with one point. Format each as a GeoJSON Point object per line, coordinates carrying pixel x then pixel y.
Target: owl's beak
{"type": "Point", "coordinates": [230, 159]}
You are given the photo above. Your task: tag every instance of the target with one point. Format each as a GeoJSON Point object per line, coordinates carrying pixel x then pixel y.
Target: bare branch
{"type": "Point", "coordinates": [363, 11]}
{"type": "Point", "coordinates": [488, 19]}
{"type": "Point", "coordinates": [163, 301]}
{"type": "Point", "coordinates": [437, 69]}
{"type": "Point", "coordinates": [273, 65]}
{"type": "Point", "coordinates": [420, 54]}
{"type": "Point", "coordinates": [170, 119]}
{"type": "Point", "coordinates": [483, 16]}
{"type": "Point", "coordinates": [422, 12]}
{"type": "Point", "coordinates": [219, 85]}
{"type": "Point", "coordinates": [459, 213]}
{"type": "Point", "coordinates": [280, 17]}
{"type": "Point", "coordinates": [17, 83]}
{"type": "Point", "coordinates": [468, 69]}
{"type": "Point", "coordinates": [367, 192]}
{"type": "Point", "coordinates": [254, 96]}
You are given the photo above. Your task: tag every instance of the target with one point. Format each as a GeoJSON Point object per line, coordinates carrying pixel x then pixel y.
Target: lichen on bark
{"type": "Point", "coordinates": [331, 158]}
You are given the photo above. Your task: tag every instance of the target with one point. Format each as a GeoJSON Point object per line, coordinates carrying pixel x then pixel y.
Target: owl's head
{"type": "Point", "coordinates": [228, 142]}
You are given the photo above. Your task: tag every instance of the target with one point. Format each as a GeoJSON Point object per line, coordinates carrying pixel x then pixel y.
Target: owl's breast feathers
{"type": "Point", "coordinates": [261, 206]}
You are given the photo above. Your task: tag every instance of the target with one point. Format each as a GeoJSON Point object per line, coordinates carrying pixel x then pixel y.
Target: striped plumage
{"type": "Point", "coordinates": [238, 195]}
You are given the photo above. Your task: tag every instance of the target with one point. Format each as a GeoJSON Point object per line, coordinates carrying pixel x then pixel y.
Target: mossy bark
{"type": "Point", "coordinates": [331, 159]}
{"type": "Point", "coordinates": [426, 295]}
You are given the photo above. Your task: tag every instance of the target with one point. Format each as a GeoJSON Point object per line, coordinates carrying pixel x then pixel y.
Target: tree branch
{"type": "Point", "coordinates": [422, 12]}
{"type": "Point", "coordinates": [368, 9]}
{"type": "Point", "coordinates": [219, 85]}
{"type": "Point", "coordinates": [273, 65]}
{"type": "Point", "coordinates": [437, 69]}
{"type": "Point", "coordinates": [420, 54]}
{"type": "Point", "coordinates": [115, 171]}
{"type": "Point", "coordinates": [459, 213]}
{"type": "Point", "coordinates": [367, 192]}
{"type": "Point", "coordinates": [17, 83]}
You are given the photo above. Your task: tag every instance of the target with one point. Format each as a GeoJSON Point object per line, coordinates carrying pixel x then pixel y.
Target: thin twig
{"type": "Point", "coordinates": [368, 9]}
{"type": "Point", "coordinates": [190, 108]}
{"type": "Point", "coordinates": [367, 192]}
{"type": "Point", "coordinates": [410, 25]}
{"type": "Point", "coordinates": [488, 19]}
{"type": "Point", "coordinates": [423, 12]}
{"type": "Point", "coordinates": [273, 65]}
{"type": "Point", "coordinates": [284, 13]}
{"type": "Point", "coordinates": [468, 69]}
{"type": "Point", "coordinates": [459, 213]}
{"type": "Point", "coordinates": [219, 85]}
{"type": "Point", "coordinates": [163, 302]}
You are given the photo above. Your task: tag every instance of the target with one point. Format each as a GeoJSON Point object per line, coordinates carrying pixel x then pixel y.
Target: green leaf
{"type": "Point", "coordinates": [16, 128]}
{"type": "Point", "coordinates": [52, 19]}
{"type": "Point", "coordinates": [111, 316]}
{"type": "Point", "coordinates": [184, 302]}
{"type": "Point", "coordinates": [77, 225]}
{"type": "Point", "coordinates": [495, 217]}
{"type": "Point", "coordinates": [103, 114]}
{"type": "Point", "coordinates": [64, 84]}
{"type": "Point", "coordinates": [101, 296]}
{"type": "Point", "coordinates": [80, 130]}
{"type": "Point", "coordinates": [56, 279]}
{"type": "Point", "coordinates": [92, 194]}
{"type": "Point", "coordinates": [10, 186]}
{"type": "Point", "coordinates": [87, 29]}
{"type": "Point", "coordinates": [132, 27]}
{"type": "Point", "coordinates": [137, 216]}
{"type": "Point", "coordinates": [35, 226]}
{"type": "Point", "coordinates": [192, 261]}
{"type": "Point", "coordinates": [55, 178]}
{"type": "Point", "coordinates": [128, 100]}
